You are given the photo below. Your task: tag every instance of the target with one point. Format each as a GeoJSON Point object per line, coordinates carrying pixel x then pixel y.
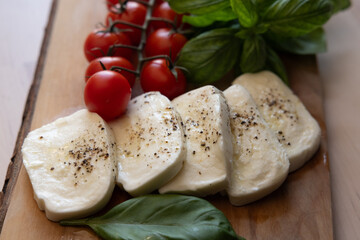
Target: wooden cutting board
{"type": "Point", "coordinates": [299, 209]}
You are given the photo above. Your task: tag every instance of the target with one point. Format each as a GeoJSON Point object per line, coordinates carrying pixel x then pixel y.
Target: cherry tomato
{"type": "Point", "coordinates": [109, 62]}
{"type": "Point", "coordinates": [164, 10]}
{"type": "Point", "coordinates": [156, 76]}
{"type": "Point", "coordinates": [158, 2]}
{"type": "Point", "coordinates": [99, 41]}
{"type": "Point", "coordinates": [134, 13]}
{"type": "Point", "coordinates": [163, 41]}
{"type": "Point", "coordinates": [111, 3]}
{"type": "Point", "coordinates": [107, 93]}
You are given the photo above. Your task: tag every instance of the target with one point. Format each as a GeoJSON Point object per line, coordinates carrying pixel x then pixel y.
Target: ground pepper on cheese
{"type": "Point", "coordinates": [273, 101]}
{"type": "Point", "coordinates": [84, 151]}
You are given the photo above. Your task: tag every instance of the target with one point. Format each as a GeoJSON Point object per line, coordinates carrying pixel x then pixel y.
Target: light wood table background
{"type": "Point", "coordinates": [22, 25]}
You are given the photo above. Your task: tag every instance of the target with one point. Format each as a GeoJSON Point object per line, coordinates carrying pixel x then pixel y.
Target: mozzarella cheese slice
{"type": "Point", "coordinates": [296, 129]}
{"type": "Point", "coordinates": [151, 144]}
{"type": "Point", "coordinates": [71, 165]}
{"type": "Point", "coordinates": [259, 163]}
{"type": "Point", "coordinates": [206, 117]}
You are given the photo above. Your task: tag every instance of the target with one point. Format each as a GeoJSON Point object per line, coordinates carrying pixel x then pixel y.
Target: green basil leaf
{"type": "Point", "coordinates": [246, 11]}
{"type": "Point", "coordinates": [253, 54]}
{"type": "Point", "coordinates": [311, 43]}
{"type": "Point", "coordinates": [293, 18]}
{"type": "Point", "coordinates": [161, 217]}
{"type": "Point", "coordinates": [208, 19]}
{"type": "Point", "coordinates": [209, 56]}
{"type": "Point", "coordinates": [341, 5]}
{"type": "Point", "coordinates": [198, 7]}
{"type": "Point", "coordinates": [262, 5]}
{"type": "Point", "coordinates": [274, 64]}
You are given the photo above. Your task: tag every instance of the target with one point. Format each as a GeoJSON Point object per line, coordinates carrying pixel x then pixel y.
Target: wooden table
{"type": "Point", "coordinates": [337, 67]}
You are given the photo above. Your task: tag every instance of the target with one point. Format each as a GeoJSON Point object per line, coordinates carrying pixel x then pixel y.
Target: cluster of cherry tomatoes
{"type": "Point", "coordinates": [118, 55]}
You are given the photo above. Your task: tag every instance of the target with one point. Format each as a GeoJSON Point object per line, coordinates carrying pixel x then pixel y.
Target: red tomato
{"type": "Point", "coordinates": [99, 41]}
{"type": "Point", "coordinates": [107, 93]}
{"type": "Point", "coordinates": [156, 76]}
{"type": "Point", "coordinates": [134, 13]}
{"type": "Point", "coordinates": [164, 10]}
{"type": "Point", "coordinates": [109, 62]}
{"type": "Point", "coordinates": [162, 41]}
{"type": "Point", "coordinates": [111, 3]}
{"type": "Point", "coordinates": [158, 2]}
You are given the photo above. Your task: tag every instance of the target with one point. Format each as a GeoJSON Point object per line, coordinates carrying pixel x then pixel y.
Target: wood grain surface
{"type": "Point", "coordinates": [299, 209]}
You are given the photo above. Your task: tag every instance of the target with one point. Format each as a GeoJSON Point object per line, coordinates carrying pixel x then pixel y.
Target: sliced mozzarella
{"type": "Point", "coordinates": [206, 117]}
{"type": "Point", "coordinates": [259, 163]}
{"type": "Point", "coordinates": [151, 144]}
{"type": "Point", "coordinates": [296, 129]}
{"type": "Point", "coordinates": [71, 165]}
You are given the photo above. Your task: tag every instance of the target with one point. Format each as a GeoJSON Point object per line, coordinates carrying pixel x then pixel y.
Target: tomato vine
{"type": "Point", "coordinates": [121, 43]}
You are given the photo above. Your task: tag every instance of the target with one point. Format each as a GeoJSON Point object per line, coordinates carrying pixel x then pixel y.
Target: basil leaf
{"type": "Point", "coordinates": [205, 20]}
{"type": "Point", "coordinates": [340, 5]}
{"type": "Point", "coordinates": [274, 64]}
{"type": "Point", "coordinates": [311, 43]}
{"type": "Point", "coordinates": [198, 7]}
{"type": "Point", "coordinates": [293, 18]}
{"type": "Point", "coordinates": [262, 5]}
{"type": "Point", "coordinates": [253, 54]}
{"type": "Point", "coordinates": [246, 11]}
{"type": "Point", "coordinates": [209, 56]}
{"type": "Point", "coordinates": [161, 217]}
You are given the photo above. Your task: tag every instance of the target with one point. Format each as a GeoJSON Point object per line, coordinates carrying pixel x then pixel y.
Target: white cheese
{"type": "Point", "coordinates": [71, 165]}
{"type": "Point", "coordinates": [208, 138]}
{"type": "Point", "coordinates": [259, 163]}
{"type": "Point", "coordinates": [151, 144]}
{"type": "Point", "coordinates": [296, 129]}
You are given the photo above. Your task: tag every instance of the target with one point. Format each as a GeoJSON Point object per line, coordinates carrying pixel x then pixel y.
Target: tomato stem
{"type": "Point", "coordinates": [119, 69]}
{"type": "Point", "coordinates": [91, 52]}
{"type": "Point", "coordinates": [123, 6]}
{"type": "Point", "coordinates": [102, 65]}
{"type": "Point", "coordinates": [113, 47]}
{"type": "Point", "coordinates": [156, 57]}
{"type": "Point", "coordinates": [143, 28]}
{"type": "Point", "coordinates": [166, 57]}
{"type": "Point", "coordinates": [143, 34]}
{"type": "Point", "coordinates": [127, 24]}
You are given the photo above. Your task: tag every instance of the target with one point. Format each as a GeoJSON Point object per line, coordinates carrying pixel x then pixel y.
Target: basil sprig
{"type": "Point", "coordinates": [159, 217]}
{"type": "Point", "coordinates": [251, 34]}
